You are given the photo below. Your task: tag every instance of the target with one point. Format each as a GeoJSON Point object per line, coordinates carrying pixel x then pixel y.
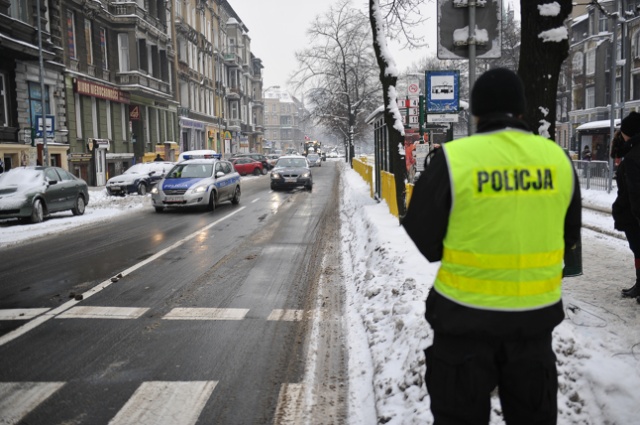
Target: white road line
{"type": "Point", "coordinates": [291, 404]}
{"type": "Point", "coordinates": [19, 398]}
{"type": "Point", "coordinates": [21, 313]}
{"type": "Point", "coordinates": [94, 312]}
{"type": "Point", "coordinates": [195, 313]}
{"type": "Point", "coordinates": [255, 200]}
{"type": "Point", "coordinates": [10, 336]}
{"type": "Point", "coordinates": [165, 403]}
{"type": "Point", "coordinates": [287, 315]}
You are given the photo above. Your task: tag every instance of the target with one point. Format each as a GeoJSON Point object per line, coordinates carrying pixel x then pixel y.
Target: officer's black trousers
{"type": "Point", "coordinates": [462, 373]}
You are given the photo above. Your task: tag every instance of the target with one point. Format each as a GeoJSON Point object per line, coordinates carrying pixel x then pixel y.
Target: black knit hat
{"type": "Point", "coordinates": [498, 90]}
{"type": "Point", "coordinates": [630, 125]}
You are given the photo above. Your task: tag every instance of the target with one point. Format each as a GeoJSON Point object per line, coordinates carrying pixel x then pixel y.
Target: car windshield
{"type": "Point", "coordinates": [20, 176]}
{"type": "Point", "coordinates": [189, 171]}
{"type": "Point", "coordinates": [291, 162]}
{"type": "Point", "coordinates": [313, 157]}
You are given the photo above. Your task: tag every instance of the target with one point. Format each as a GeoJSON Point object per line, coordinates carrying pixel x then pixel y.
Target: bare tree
{"type": "Point", "coordinates": [544, 46]}
{"type": "Point", "coordinates": [338, 72]}
{"type": "Point", "coordinates": [395, 17]}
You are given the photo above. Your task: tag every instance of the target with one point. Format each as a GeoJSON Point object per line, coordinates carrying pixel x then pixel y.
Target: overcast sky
{"type": "Point", "coordinates": [278, 28]}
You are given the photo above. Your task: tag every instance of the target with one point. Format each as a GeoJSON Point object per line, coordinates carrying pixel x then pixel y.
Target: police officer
{"type": "Point", "coordinates": [497, 209]}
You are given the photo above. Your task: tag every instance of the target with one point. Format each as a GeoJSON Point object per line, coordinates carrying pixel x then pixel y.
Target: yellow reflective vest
{"type": "Point", "coordinates": [504, 245]}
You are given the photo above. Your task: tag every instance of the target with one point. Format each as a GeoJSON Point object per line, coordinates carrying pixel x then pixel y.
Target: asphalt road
{"type": "Point", "coordinates": [180, 317]}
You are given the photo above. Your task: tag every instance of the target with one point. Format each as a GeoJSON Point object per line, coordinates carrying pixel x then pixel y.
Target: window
{"type": "Point", "coordinates": [19, 10]}
{"type": "Point", "coordinates": [89, 41]}
{"type": "Point", "coordinates": [71, 35]}
{"type": "Point", "coordinates": [103, 48]}
{"type": "Point", "coordinates": [123, 49]}
{"type": "Point", "coordinates": [591, 62]}
{"type": "Point", "coordinates": [576, 64]}
{"type": "Point", "coordinates": [636, 45]}
{"type": "Point", "coordinates": [590, 98]}
{"type": "Point", "coordinates": [4, 102]}
{"type": "Point", "coordinates": [35, 103]}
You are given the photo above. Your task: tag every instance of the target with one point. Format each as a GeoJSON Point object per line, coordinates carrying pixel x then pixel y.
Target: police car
{"type": "Point", "coordinates": [197, 182]}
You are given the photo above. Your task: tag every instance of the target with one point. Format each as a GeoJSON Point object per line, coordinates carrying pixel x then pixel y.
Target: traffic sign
{"type": "Point", "coordinates": [442, 118]}
{"type": "Point", "coordinates": [413, 88]}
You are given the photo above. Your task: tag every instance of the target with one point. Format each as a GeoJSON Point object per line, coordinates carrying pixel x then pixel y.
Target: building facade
{"type": "Point", "coordinates": [123, 81]}
{"type": "Point", "coordinates": [601, 66]}
{"type": "Point", "coordinates": [284, 123]}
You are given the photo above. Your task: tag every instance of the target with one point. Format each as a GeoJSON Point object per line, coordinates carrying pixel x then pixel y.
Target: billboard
{"type": "Point", "coordinates": [453, 29]}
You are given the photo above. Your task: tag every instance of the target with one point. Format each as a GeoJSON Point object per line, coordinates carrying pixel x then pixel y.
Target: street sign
{"type": "Point", "coordinates": [412, 102]}
{"type": "Point", "coordinates": [50, 125]}
{"type": "Point", "coordinates": [413, 89]}
{"type": "Point", "coordinates": [453, 29]}
{"type": "Point", "coordinates": [442, 91]}
{"type": "Point", "coordinates": [442, 118]}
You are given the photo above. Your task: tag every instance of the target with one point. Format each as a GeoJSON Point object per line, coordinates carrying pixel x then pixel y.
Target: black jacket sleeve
{"type": "Point", "coordinates": [427, 216]}
{"type": "Point", "coordinates": [573, 219]}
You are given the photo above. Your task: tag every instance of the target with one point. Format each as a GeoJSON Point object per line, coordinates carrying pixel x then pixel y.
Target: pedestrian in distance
{"type": "Point", "coordinates": [158, 158]}
{"type": "Point", "coordinates": [498, 209]}
{"type": "Point", "coordinates": [586, 153]}
{"type": "Point", "coordinates": [626, 207]}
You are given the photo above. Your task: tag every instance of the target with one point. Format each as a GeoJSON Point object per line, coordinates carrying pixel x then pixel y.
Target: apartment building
{"type": "Point", "coordinates": [124, 81]}
{"type": "Point", "coordinates": [586, 84]}
{"type": "Point", "coordinates": [25, 59]}
{"type": "Point", "coordinates": [283, 121]}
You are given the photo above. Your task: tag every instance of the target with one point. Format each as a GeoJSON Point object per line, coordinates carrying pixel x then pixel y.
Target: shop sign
{"type": "Point", "coordinates": [101, 91]}
{"type": "Point", "coordinates": [79, 157]}
{"type": "Point", "coordinates": [134, 112]}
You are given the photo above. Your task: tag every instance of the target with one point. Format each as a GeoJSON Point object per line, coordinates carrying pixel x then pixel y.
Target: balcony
{"type": "Point", "coordinates": [231, 59]}
{"type": "Point", "coordinates": [135, 81]}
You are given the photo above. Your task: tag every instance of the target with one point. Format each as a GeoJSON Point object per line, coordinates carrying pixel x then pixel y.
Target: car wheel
{"type": "Point", "coordinates": [212, 202]}
{"type": "Point", "coordinates": [159, 209]}
{"type": "Point", "coordinates": [309, 187]}
{"type": "Point", "coordinates": [142, 189]}
{"type": "Point", "coordinates": [79, 208]}
{"type": "Point", "coordinates": [236, 196]}
{"type": "Point", "coordinates": [257, 171]}
{"type": "Point", "coordinates": [264, 170]}
{"type": "Point", "coordinates": [37, 214]}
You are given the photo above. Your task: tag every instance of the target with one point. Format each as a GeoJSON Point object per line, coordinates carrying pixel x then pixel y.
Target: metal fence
{"type": "Point", "coordinates": [593, 174]}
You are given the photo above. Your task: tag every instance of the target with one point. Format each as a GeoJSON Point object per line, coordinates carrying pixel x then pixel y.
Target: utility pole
{"type": "Point", "coordinates": [45, 148]}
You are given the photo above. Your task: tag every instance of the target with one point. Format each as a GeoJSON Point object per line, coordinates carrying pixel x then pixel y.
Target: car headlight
{"type": "Point", "coordinates": [154, 190]}
{"type": "Point", "coordinates": [305, 175]}
{"type": "Point", "coordinates": [276, 176]}
{"type": "Point", "coordinates": [198, 189]}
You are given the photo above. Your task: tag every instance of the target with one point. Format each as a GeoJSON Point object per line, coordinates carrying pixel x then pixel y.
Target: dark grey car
{"type": "Point", "coordinates": [291, 171]}
{"type": "Point", "coordinates": [31, 193]}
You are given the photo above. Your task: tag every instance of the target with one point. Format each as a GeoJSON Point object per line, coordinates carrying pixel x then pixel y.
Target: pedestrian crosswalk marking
{"type": "Point", "coordinates": [179, 313]}
{"type": "Point", "coordinates": [195, 313]}
{"type": "Point", "coordinates": [287, 315]}
{"type": "Point", "coordinates": [21, 313]}
{"type": "Point", "coordinates": [165, 403]}
{"type": "Point", "coordinates": [17, 399]}
{"type": "Point", "coordinates": [94, 312]}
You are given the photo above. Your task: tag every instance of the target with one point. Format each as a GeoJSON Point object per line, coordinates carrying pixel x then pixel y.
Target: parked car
{"type": "Point", "coordinates": [246, 166]}
{"type": "Point", "coordinates": [273, 158]}
{"type": "Point", "coordinates": [257, 156]}
{"type": "Point", "coordinates": [32, 193]}
{"type": "Point", "coordinates": [332, 154]}
{"type": "Point", "coordinates": [197, 183]}
{"type": "Point", "coordinates": [314, 160]}
{"type": "Point", "coordinates": [139, 178]}
{"type": "Point", "coordinates": [291, 171]}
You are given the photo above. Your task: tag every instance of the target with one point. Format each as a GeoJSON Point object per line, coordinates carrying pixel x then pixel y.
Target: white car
{"type": "Point", "coordinates": [197, 183]}
{"type": "Point", "coordinates": [139, 178]}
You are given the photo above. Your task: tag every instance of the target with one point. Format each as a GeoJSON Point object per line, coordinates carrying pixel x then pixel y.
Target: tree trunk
{"type": "Point", "coordinates": [540, 63]}
{"type": "Point", "coordinates": [396, 138]}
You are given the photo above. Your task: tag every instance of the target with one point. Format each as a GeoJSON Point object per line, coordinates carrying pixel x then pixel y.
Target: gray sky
{"type": "Point", "coordinates": [278, 29]}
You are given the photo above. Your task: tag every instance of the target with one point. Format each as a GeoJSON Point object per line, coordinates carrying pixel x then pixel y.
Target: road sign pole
{"type": "Point", "coordinates": [472, 55]}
